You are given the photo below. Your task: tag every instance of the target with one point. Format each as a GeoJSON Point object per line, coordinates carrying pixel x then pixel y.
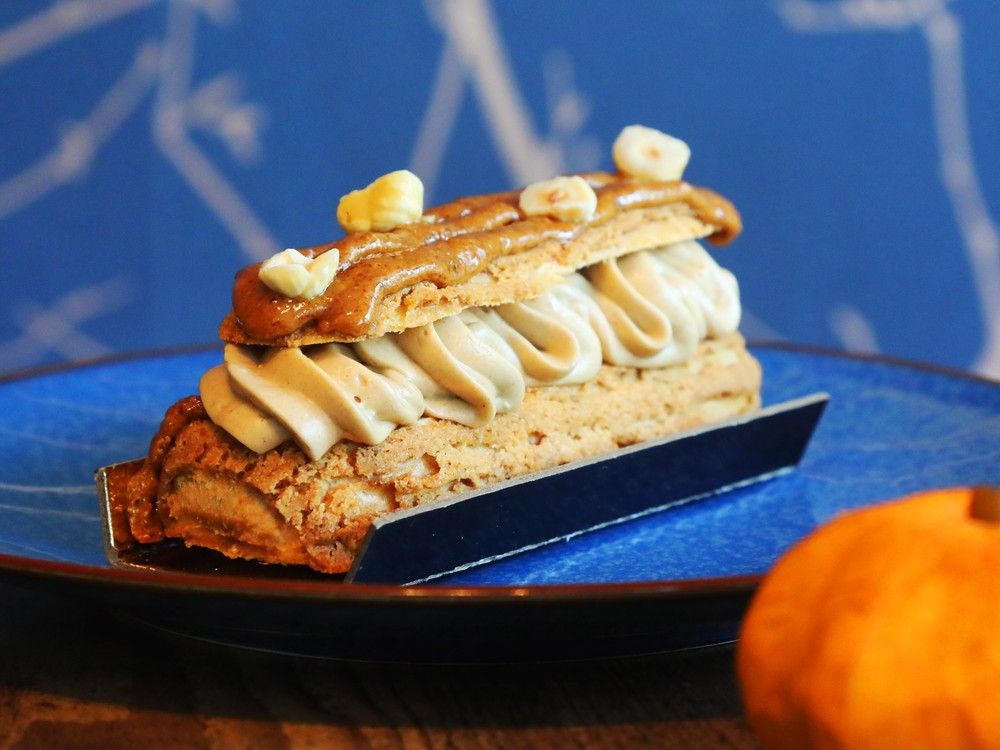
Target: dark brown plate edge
{"type": "Point", "coordinates": [338, 591]}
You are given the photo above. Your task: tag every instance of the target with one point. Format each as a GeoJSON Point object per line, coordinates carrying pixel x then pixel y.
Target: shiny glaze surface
{"type": "Point", "coordinates": [452, 243]}
{"type": "Point", "coordinates": [142, 487]}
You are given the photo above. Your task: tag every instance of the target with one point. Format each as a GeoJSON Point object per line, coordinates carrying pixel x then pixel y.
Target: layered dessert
{"type": "Point", "coordinates": [429, 353]}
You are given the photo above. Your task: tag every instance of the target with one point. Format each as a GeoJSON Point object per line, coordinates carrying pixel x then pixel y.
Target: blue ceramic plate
{"type": "Point", "coordinates": [674, 579]}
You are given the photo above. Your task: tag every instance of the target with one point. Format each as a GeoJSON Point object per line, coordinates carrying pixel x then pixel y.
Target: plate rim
{"type": "Point", "coordinates": [344, 593]}
{"type": "Point", "coordinates": [338, 591]}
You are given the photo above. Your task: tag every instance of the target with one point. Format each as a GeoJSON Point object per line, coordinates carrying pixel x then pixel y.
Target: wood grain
{"type": "Point", "coordinates": [71, 676]}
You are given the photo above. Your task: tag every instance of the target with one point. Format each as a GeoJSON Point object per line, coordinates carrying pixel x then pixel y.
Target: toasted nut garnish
{"type": "Point", "coordinates": [293, 274]}
{"type": "Point", "coordinates": [391, 201]}
{"type": "Point", "coordinates": [648, 154]}
{"type": "Point", "coordinates": [565, 198]}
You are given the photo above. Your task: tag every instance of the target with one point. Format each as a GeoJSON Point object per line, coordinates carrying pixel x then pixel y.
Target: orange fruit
{"type": "Point", "coordinates": [881, 629]}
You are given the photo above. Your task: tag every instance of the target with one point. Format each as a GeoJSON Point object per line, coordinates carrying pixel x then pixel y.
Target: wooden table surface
{"type": "Point", "coordinates": [73, 676]}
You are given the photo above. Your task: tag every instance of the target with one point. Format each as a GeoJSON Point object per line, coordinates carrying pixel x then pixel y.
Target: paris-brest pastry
{"type": "Point", "coordinates": [430, 352]}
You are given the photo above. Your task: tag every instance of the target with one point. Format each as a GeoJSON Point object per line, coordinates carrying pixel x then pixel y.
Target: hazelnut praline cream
{"type": "Point", "coordinates": [450, 244]}
{"type": "Point", "coordinates": [648, 309]}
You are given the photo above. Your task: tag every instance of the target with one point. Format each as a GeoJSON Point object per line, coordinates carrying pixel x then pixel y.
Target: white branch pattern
{"type": "Point", "coordinates": [473, 59]}
{"type": "Point", "coordinates": [942, 32]}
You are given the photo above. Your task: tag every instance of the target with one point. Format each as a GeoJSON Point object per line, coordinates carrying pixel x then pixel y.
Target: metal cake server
{"type": "Point", "coordinates": [432, 540]}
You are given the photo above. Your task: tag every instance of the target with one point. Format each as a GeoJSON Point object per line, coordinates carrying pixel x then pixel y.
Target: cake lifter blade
{"type": "Point", "coordinates": [432, 540]}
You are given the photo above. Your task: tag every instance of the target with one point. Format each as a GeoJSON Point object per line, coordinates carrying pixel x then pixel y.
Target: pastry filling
{"type": "Point", "coordinates": [648, 309]}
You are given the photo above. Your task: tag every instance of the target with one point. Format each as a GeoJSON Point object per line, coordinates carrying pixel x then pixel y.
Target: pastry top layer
{"type": "Point", "coordinates": [475, 251]}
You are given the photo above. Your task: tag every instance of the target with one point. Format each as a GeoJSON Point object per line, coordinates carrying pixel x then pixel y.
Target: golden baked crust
{"type": "Point", "coordinates": [280, 507]}
{"type": "Point", "coordinates": [510, 278]}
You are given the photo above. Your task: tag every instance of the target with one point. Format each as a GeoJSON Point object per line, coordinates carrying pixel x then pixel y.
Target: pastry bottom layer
{"type": "Point", "coordinates": [280, 507]}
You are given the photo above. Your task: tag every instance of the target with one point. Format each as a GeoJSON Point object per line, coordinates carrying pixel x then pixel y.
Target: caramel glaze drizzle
{"type": "Point", "coordinates": [452, 243]}
{"type": "Point", "coordinates": [144, 521]}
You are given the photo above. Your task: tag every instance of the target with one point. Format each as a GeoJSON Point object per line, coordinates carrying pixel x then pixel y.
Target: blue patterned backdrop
{"type": "Point", "coordinates": [149, 148]}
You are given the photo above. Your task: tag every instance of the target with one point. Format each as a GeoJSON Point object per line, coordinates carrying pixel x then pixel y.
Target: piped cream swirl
{"type": "Point", "coordinates": [648, 309]}
{"type": "Point", "coordinates": [317, 396]}
{"type": "Point", "coordinates": [460, 375]}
